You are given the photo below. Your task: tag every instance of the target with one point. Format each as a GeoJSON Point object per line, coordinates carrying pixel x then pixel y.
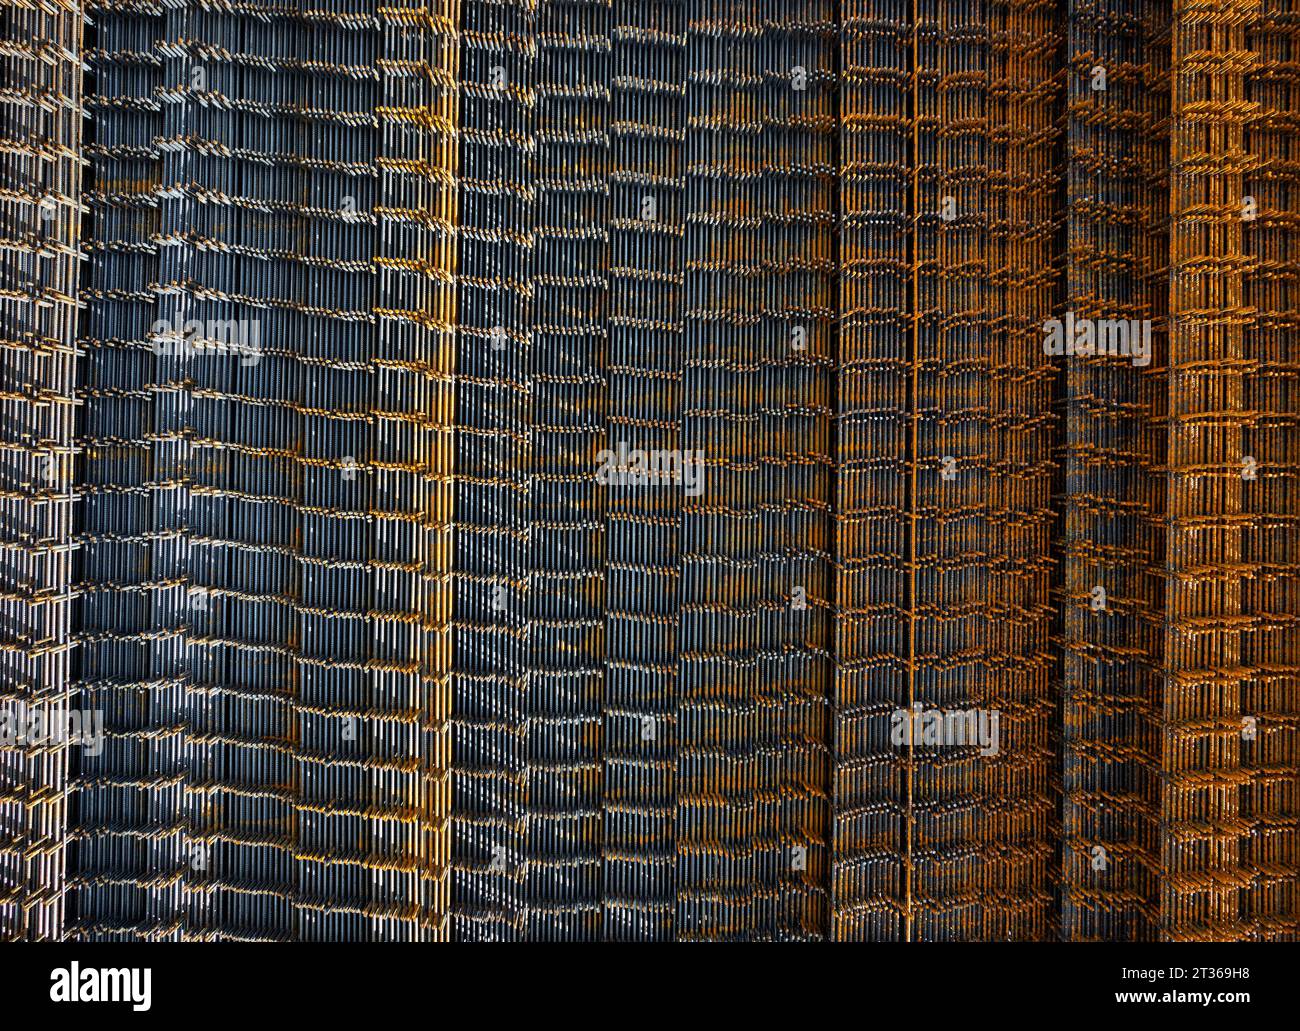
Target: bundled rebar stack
{"type": "Point", "coordinates": [41, 160]}
{"type": "Point", "coordinates": [650, 470]}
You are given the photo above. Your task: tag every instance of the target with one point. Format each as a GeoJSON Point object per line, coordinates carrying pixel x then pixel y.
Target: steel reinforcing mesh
{"type": "Point", "coordinates": [650, 470]}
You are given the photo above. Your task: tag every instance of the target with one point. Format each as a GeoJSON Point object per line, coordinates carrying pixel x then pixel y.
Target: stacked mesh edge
{"type": "Point", "coordinates": [944, 470]}
{"type": "Point", "coordinates": [41, 167]}
{"type": "Point", "coordinates": [264, 535]}
{"type": "Point", "coordinates": [1178, 693]}
{"type": "Point", "coordinates": [380, 658]}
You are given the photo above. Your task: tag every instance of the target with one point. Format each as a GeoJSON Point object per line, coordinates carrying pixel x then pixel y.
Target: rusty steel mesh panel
{"type": "Point", "coordinates": [266, 436]}
{"type": "Point", "coordinates": [1202, 780]}
{"type": "Point", "coordinates": [751, 691]}
{"type": "Point", "coordinates": [576, 470]}
{"type": "Point", "coordinates": [1117, 249]}
{"type": "Point", "coordinates": [1219, 610]}
{"type": "Point", "coordinates": [869, 888]}
{"type": "Point", "coordinates": [800, 186]}
{"type": "Point", "coordinates": [944, 466]}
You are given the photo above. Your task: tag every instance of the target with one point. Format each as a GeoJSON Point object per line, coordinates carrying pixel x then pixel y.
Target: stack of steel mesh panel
{"type": "Point", "coordinates": [599, 470]}
{"type": "Point", "coordinates": [566, 557]}
{"type": "Point", "coordinates": [266, 423]}
{"type": "Point", "coordinates": [1113, 594]}
{"type": "Point", "coordinates": [1211, 550]}
{"type": "Point", "coordinates": [1179, 713]}
{"type": "Point", "coordinates": [493, 506]}
{"type": "Point", "coordinates": [950, 467]}
{"type": "Point", "coordinates": [642, 535]}
{"type": "Point", "coordinates": [1270, 652]}
{"type": "Point", "coordinates": [728, 854]}
{"type": "Point", "coordinates": [409, 808]}
{"type": "Point", "coordinates": [724, 762]}
{"type": "Point", "coordinates": [799, 316]}
{"type": "Point", "coordinates": [870, 796]}
{"type": "Point", "coordinates": [752, 689]}
{"type": "Point", "coordinates": [944, 460]}
{"type": "Point", "coordinates": [1018, 786]}
{"type": "Point", "coordinates": [951, 535]}
{"type": "Point", "coordinates": [979, 813]}
{"type": "Point", "coordinates": [40, 197]}
{"type": "Point", "coordinates": [128, 813]}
